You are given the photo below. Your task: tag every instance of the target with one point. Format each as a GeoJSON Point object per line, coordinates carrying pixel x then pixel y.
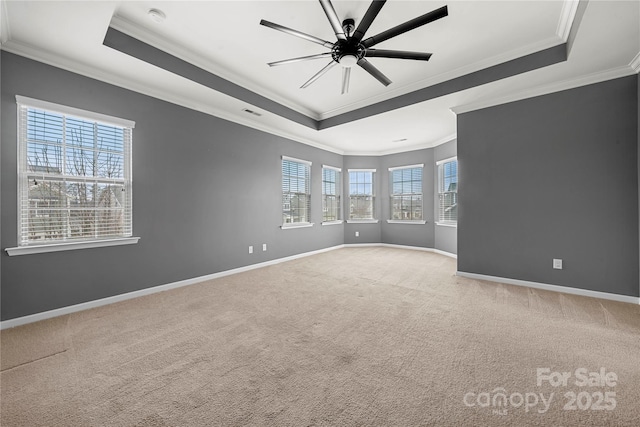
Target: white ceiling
{"type": "Point", "coordinates": [225, 38]}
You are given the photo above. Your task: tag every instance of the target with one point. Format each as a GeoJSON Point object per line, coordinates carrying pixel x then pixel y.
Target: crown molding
{"type": "Point", "coordinates": [567, 15]}
{"type": "Point", "coordinates": [635, 63]}
{"type": "Point", "coordinates": [404, 149]}
{"type": "Point", "coordinates": [64, 63]}
{"type": "Point", "coordinates": [446, 76]}
{"type": "Point", "coordinates": [589, 79]}
{"type": "Point", "coordinates": [184, 53]}
{"type": "Point", "coordinates": [5, 33]}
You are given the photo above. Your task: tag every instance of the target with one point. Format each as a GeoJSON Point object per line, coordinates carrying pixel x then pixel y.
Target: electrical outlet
{"type": "Point", "coordinates": [264, 247]}
{"type": "Point", "coordinates": [557, 264]}
{"type": "Point", "coordinates": [357, 234]}
{"type": "Point", "coordinates": [250, 249]}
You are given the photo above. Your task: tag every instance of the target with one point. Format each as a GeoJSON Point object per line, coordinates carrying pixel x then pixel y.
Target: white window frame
{"type": "Point", "coordinates": [299, 224]}
{"type": "Point", "coordinates": [372, 195]}
{"type": "Point", "coordinates": [67, 242]}
{"type": "Point", "coordinates": [337, 195]}
{"type": "Point", "coordinates": [391, 220]}
{"type": "Point", "coordinates": [441, 191]}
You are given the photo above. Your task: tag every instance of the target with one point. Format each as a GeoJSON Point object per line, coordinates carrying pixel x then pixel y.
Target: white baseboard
{"type": "Point", "coordinates": [389, 245]}
{"type": "Point", "coordinates": [553, 288]}
{"type": "Point", "coordinates": [11, 323]}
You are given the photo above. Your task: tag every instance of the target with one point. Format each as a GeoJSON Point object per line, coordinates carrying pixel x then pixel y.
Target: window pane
{"type": "Point", "coordinates": [65, 158]}
{"type": "Point", "coordinates": [44, 158]}
{"type": "Point", "coordinates": [295, 192]}
{"type": "Point", "coordinates": [448, 191]}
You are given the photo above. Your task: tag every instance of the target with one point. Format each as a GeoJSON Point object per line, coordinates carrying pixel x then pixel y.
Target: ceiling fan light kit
{"type": "Point", "coordinates": [350, 49]}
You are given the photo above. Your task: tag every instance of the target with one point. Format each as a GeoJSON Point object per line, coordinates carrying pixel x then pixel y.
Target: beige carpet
{"type": "Point", "coordinates": [351, 337]}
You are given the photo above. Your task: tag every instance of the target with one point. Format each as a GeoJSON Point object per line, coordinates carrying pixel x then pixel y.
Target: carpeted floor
{"type": "Point", "coordinates": [351, 337]}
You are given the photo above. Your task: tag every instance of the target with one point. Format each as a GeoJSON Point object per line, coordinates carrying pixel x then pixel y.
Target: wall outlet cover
{"type": "Point", "coordinates": [250, 249]}
{"type": "Point", "coordinates": [557, 264]}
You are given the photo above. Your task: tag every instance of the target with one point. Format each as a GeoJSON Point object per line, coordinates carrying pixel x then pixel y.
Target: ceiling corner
{"type": "Point", "coordinates": [567, 15]}
{"type": "Point", "coordinates": [5, 34]}
{"type": "Point", "coordinates": [635, 63]}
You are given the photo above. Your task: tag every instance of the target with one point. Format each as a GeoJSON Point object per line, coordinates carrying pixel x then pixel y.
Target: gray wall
{"type": "Point", "coordinates": [554, 176]}
{"type": "Point", "coordinates": [446, 237]}
{"type": "Point", "coordinates": [420, 235]}
{"type": "Point", "coordinates": [369, 233]}
{"type": "Point", "coordinates": [204, 189]}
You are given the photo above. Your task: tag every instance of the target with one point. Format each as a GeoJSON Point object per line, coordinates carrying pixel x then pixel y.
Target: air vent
{"type": "Point", "coordinates": [255, 113]}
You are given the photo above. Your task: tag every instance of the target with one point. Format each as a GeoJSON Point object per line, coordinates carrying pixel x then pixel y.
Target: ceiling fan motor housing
{"type": "Point", "coordinates": [347, 53]}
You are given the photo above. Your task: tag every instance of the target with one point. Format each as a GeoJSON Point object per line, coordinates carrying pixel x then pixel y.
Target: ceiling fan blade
{"type": "Point", "coordinates": [297, 33]}
{"type": "Point", "coordinates": [374, 72]}
{"type": "Point", "coordinates": [333, 19]}
{"type": "Point", "coordinates": [346, 75]}
{"type": "Point", "coordinates": [407, 26]}
{"type": "Point", "coordinates": [319, 74]}
{"type": "Point", "coordinates": [400, 54]}
{"type": "Point", "coordinates": [300, 59]}
{"type": "Point", "coordinates": [367, 19]}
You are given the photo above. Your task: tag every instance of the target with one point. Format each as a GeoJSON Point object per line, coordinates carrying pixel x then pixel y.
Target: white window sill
{"type": "Point", "coordinates": [332, 222]}
{"type": "Point", "coordinates": [362, 221]}
{"type": "Point", "coordinates": [447, 224]}
{"type": "Point", "coordinates": [70, 246]}
{"type": "Point", "coordinates": [297, 225]}
{"type": "Point", "coordinates": [399, 221]}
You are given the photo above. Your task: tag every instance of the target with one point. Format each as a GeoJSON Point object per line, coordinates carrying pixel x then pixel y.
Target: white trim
{"type": "Point", "coordinates": [567, 15]}
{"type": "Point", "coordinates": [404, 149]}
{"type": "Point", "coordinates": [64, 109]}
{"type": "Point", "coordinates": [389, 245]}
{"type": "Point", "coordinates": [468, 68]}
{"type": "Point", "coordinates": [362, 221]}
{"type": "Point", "coordinates": [447, 224]}
{"type": "Point", "coordinates": [148, 291]}
{"type": "Point", "coordinates": [184, 53]}
{"type": "Point", "coordinates": [287, 226]}
{"type": "Point", "coordinates": [635, 63]}
{"type": "Point", "coordinates": [553, 288]}
{"type": "Point", "coordinates": [400, 221]}
{"type": "Point", "coordinates": [5, 31]}
{"type": "Point", "coordinates": [361, 170]}
{"type": "Point", "coordinates": [70, 246]}
{"type": "Point", "coordinates": [293, 159]}
{"type": "Point", "coordinates": [395, 168]}
{"type": "Point", "coordinates": [338, 222]}
{"type": "Point", "coordinates": [546, 89]}
{"type": "Point", "coordinates": [332, 168]}
{"type": "Point", "coordinates": [37, 54]}
{"type": "Point", "coordinates": [450, 159]}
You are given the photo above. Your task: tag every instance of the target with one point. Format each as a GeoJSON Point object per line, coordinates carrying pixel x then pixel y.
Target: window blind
{"type": "Point", "coordinates": [448, 191]}
{"type": "Point", "coordinates": [330, 194]}
{"type": "Point", "coordinates": [74, 177]}
{"type": "Point", "coordinates": [406, 193]}
{"type": "Point", "coordinates": [361, 194]}
{"type": "Point", "coordinates": [296, 191]}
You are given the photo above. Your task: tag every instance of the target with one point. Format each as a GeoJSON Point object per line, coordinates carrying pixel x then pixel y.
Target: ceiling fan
{"type": "Point", "coordinates": [350, 48]}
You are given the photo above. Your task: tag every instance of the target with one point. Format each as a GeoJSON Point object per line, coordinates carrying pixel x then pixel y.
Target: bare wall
{"type": "Point", "coordinates": [204, 189]}
{"type": "Point", "coordinates": [554, 176]}
{"type": "Point", "coordinates": [420, 235]}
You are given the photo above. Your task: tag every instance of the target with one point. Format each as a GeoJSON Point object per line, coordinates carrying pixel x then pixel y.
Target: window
{"type": "Point", "coordinates": [448, 191]}
{"type": "Point", "coordinates": [406, 193]}
{"type": "Point", "coordinates": [330, 194]}
{"type": "Point", "coordinates": [361, 194]}
{"type": "Point", "coordinates": [74, 176]}
{"type": "Point", "coordinates": [296, 192]}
